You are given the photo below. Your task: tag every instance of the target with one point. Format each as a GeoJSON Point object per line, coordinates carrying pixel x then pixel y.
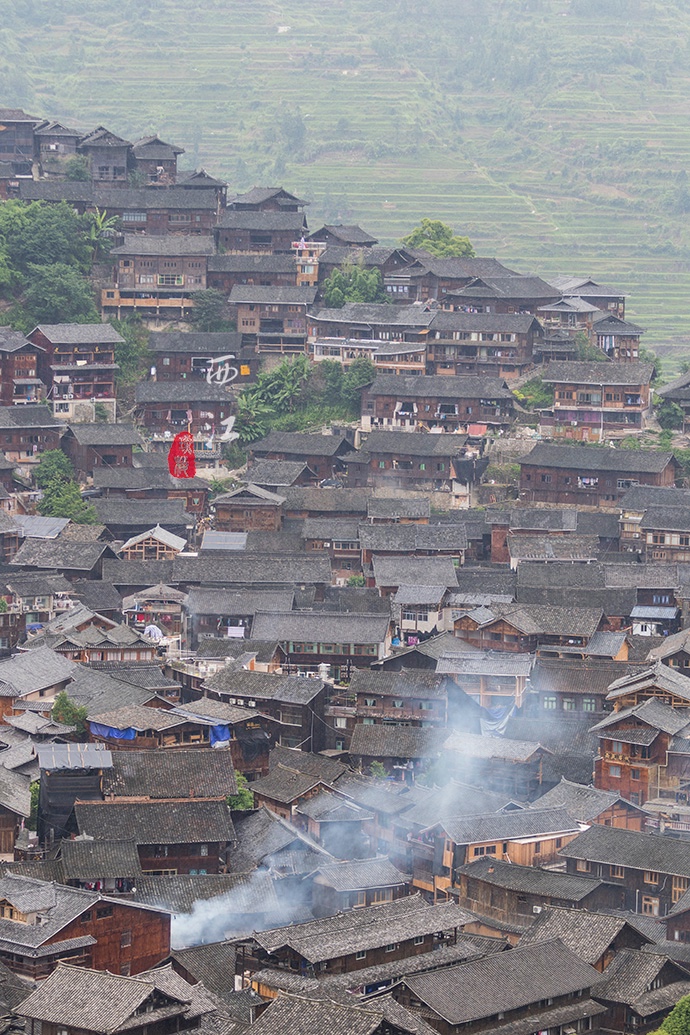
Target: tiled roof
{"type": "Point", "coordinates": [413, 443]}
{"type": "Point", "coordinates": [189, 821]}
{"type": "Point", "coordinates": [321, 627]}
{"type": "Point", "coordinates": [39, 670]}
{"type": "Point", "coordinates": [411, 682]}
{"type": "Point", "coordinates": [413, 571]}
{"type": "Point", "coordinates": [80, 333]}
{"type": "Point", "coordinates": [251, 569]}
{"type": "Point", "coordinates": [468, 386]}
{"type": "Point", "coordinates": [359, 874]}
{"type": "Point", "coordinates": [205, 601]}
{"type": "Point", "coordinates": [490, 662]}
{"type": "Point", "coordinates": [186, 772]}
{"type": "Point", "coordinates": [411, 538]}
{"type": "Point", "coordinates": [616, 845]}
{"type": "Point", "coordinates": [475, 746]}
{"type": "Point", "coordinates": [531, 879]}
{"type": "Point", "coordinates": [589, 935]}
{"type": "Point", "coordinates": [583, 803]}
{"type": "Point", "coordinates": [379, 741]}
{"type": "Point", "coordinates": [328, 769]}
{"type": "Point", "coordinates": [630, 374]}
{"type": "Point", "coordinates": [232, 219]}
{"type": "Point", "coordinates": [591, 458]}
{"type": "Point", "coordinates": [106, 434]}
{"type": "Point", "coordinates": [285, 785]}
{"type": "Point", "coordinates": [180, 393]}
{"type": "Point", "coordinates": [275, 472]}
{"type": "Point", "coordinates": [262, 835]}
{"type": "Point", "coordinates": [58, 554]}
{"type": "Point", "coordinates": [262, 294]}
{"type": "Point", "coordinates": [252, 893]}
{"type": "Point", "coordinates": [656, 675]}
{"type": "Point", "coordinates": [168, 244]}
{"type": "Point", "coordinates": [504, 826]}
{"type": "Point", "coordinates": [267, 686]}
{"type": "Point", "coordinates": [88, 860]}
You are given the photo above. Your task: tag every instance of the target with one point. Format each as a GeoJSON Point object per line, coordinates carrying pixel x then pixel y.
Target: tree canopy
{"type": "Point", "coordinates": [439, 239]}
{"type": "Point", "coordinates": [66, 711]}
{"type": "Point", "coordinates": [678, 1021]}
{"type": "Point", "coordinates": [61, 495]}
{"type": "Point", "coordinates": [353, 283]}
{"type": "Point", "coordinates": [57, 294]}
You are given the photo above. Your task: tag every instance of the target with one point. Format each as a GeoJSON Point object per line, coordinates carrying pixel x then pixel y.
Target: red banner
{"type": "Point", "coordinates": [181, 462]}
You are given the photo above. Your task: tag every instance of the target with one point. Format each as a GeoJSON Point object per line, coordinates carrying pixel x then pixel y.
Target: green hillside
{"type": "Point", "coordinates": [554, 133]}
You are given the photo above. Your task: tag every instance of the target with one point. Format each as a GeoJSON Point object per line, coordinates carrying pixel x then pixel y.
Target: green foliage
{"type": "Point", "coordinates": [244, 799]}
{"type": "Point", "coordinates": [586, 351]}
{"type": "Point", "coordinates": [630, 442]}
{"type": "Point", "coordinates": [210, 311]}
{"type": "Point", "coordinates": [77, 168]}
{"type": "Point", "coordinates": [683, 458]}
{"type": "Point", "coordinates": [438, 238]}
{"type": "Point", "coordinates": [133, 355]}
{"type": "Point", "coordinates": [377, 770]}
{"type": "Point", "coordinates": [54, 466]}
{"type": "Point", "coordinates": [360, 373]}
{"type": "Point", "coordinates": [61, 496]}
{"type": "Point", "coordinates": [332, 373]}
{"type": "Point", "coordinates": [64, 710]}
{"type": "Point", "coordinates": [535, 395]}
{"type": "Point", "coordinates": [502, 474]}
{"type": "Point", "coordinates": [42, 235]}
{"type": "Point", "coordinates": [356, 580]}
{"type": "Point", "coordinates": [3, 606]}
{"type": "Point", "coordinates": [100, 413]}
{"type": "Point", "coordinates": [57, 294]}
{"type": "Point", "coordinates": [678, 1021]}
{"type": "Point", "coordinates": [101, 231]}
{"type": "Point", "coordinates": [35, 790]}
{"type": "Point", "coordinates": [353, 283]}
{"type": "Point", "coordinates": [670, 415]}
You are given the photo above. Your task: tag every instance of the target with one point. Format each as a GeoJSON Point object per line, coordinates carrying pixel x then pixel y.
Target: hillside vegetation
{"type": "Point", "coordinates": [554, 133]}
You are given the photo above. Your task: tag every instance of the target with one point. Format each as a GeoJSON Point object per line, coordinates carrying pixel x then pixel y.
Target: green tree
{"type": "Point", "coordinates": [244, 799]}
{"type": "Point", "coordinates": [587, 352]}
{"type": "Point", "coordinates": [356, 580]}
{"type": "Point", "coordinates": [535, 395]}
{"type": "Point", "coordinates": [332, 373]}
{"type": "Point", "coordinates": [252, 421]}
{"type": "Point", "coordinates": [362, 372]}
{"type": "Point", "coordinates": [64, 500]}
{"type": "Point", "coordinates": [209, 312]}
{"type": "Point", "coordinates": [678, 1021]}
{"type": "Point", "coordinates": [58, 294]}
{"type": "Point", "coordinates": [64, 710]}
{"type": "Point", "coordinates": [133, 355]}
{"type": "Point", "coordinates": [438, 238]}
{"type": "Point", "coordinates": [35, 791]}
{"type": "Point", "coordinates": [377, 770]}
{"type": "Point", "coordinates": [283, 387]}
{"type": "Point", "coordinates": [670, 415]}
{"type": "Point", "coordinates": [54, 466]}
{"type": "Point", "coordinates": [353, 283]}
{"type": "Point", "coordinates": [42, 235]}
{"type": "Point", "coordinates": [100, 229]}
{"type": "Point", "coordinates": [77, 168]}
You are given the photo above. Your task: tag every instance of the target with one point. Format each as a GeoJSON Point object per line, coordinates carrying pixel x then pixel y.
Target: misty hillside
{"type": "Point", "coordinates": [553, 132]}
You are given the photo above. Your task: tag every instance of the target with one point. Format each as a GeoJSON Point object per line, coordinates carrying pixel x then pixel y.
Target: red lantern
{"type": "Point", "coordinates": [181, 463]}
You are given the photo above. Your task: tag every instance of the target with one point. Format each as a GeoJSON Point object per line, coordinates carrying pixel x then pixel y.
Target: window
{"type": "Point", "coordinates": [634, 774]}
{"type": "Point", "coordinates": [650, 905]}
{"type": "Point", "coordinates": [133, 217]}
{"type": "Point", "coordinates": [125, 939]}
{"type": "Point", "coordinates": [537, 847]}
{"type": "Point", "coordinates": [583, 865]}
{"type": "Point", "coordinates": [203, 849]}
{"type": "Point", "coordinates": [390, 947]}
{"type": "Point", "coordinates": [546, 478]}
{"type": "Point", "coordinates": [618, 872]}
{"type": "Point", "coordinates": [370, 702]}
{"type": "Point", "coordinates": [85, 917]}
{"type": "Point", "coordinates": [549, 702]}
{"type": "Point", "coordinates": [340, 722]}
{"type": "Point", "coordinates": [615, 771]}
{"type": "Point", "coordinates": [104, 911]}
{"type": "Point", "coordinates": [568, 704]}
{"type": "Point", "coordinates": [651, 877]}
{"type": "Point", "coordinates": [361, 955]}
{"type": "Point", "coordinates": [589, 704]}
{"type": "Point", "coordinates": [358, 899]}
{"type": "Point", "coordinates": [679, 886]}
{"type": "Point", "coordinates": [170, 280]}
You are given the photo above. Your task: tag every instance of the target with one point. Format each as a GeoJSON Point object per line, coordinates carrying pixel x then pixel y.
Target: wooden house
{"type": "Point", "coordinates": [154, 161]}
{"type": "Point", "coordinates": [590, 476]}
{"type": "Point", "coordinates": [521, 627]}
{"type": "Point", "coordinates": [172, 406]}
{"type": "Point", "coordinates": [214, 613]}
{"type": "Point", "coordinates": [607, 298]}
{"type": "Point", "coordinates": [17, 140]}
{"type": "Point", "coordinates": [541, 986]}
{"type": "Point", "coordinates": [246, 268]}
{"type": "Point", "coordinates": [89, 446]}
{"type": "Point", "coordinates": [345, 236]}
{"type": "Point", "coordinates": [513, 293]}
{"type": "Point", "coordinates": [152, 482]}
{"type": "Point", "coordinates": [388, 357]}
{"type": "Point", "coordinates": [642, 751]}
{"type": "Point", "coordinates": [594, 401]}
{"type": "Point", "coordinates": [248, 508]}
{"type": "Point", "coordinates": [157, 544]}
{"type": "Point", "coordinates": [491, 678]}
{"type": "Point", "coordinates": [27, 431]}
{"type": "Point", "coordinates": [273, 318]}
{"type": "Point", "coordinates": [678, 392]}
{"type": "Point", "coordinates": [294, 702]}
{"type": "Point", "coordinates": [412, 697]}
{"type": "Point", "coordinates": [191, 355]}
{"type": "Point", "coordinates": [107, 155]}
{"type": "Point", "coordinates": [68, 772]}
{"type": "Point", "coordinates": [617, 338]}
{"type": "Point", "coordinates": [495, 344]}
{"type": "Point", "coordinates": [157, 276]}
{"type": "Point", "coordinates": [78, 367]}
{"type": "Point", "coordinates": [652, 872]}
{"type": "Point", "coordinates": [589, 805]}
{"type": "Point", "coordinates": [93, 1001]}
{"type": "Point", "coordinates": [125, 518]}
{"type": "Point", "coordinates": [638, 993]}
{"type": "Point", "coordinates": [356, 884]}
{"type": "Point", "coordinates": [321, 453]}
{"type": "Point", "coordinates": [597, 939]}
{"type": "Point", "coordinates": [19, 380]}
{"type": "Point", "coordinates": [426, 277]}
{"type": "Point", "coordinates": [81, 634]}
{"type": "Point", "coordinates": [83, 928]}
{"type": "Point", "coordinates": [436, 403]}
{"type": "Point", "coordinates": [528, 837]}
{"type": "Point", "coordinates": [655, 524]}
{"type": "Point", "coordinates": [511, 894]}
{"type": "Point", "coordinates": [172, 835]}
{"type": "Point", "coordinates": [372, 321]}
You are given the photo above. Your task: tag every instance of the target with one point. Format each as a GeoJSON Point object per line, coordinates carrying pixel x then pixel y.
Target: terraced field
{"type": "Point", "coordinates": [553, 132]}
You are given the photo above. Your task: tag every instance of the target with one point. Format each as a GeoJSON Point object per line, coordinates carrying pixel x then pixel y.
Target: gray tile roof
{"type": "Point", "coordinates": [414, 571]}
{"type": "Point", "coordinates": [321, 627]}
{"type": "Point", "coordinates": [299, 442]}
{"type": "Point", "coordinates": [250, 570]}
{"type": "Point", "coordinates": [503, 982]}
{"type": "Point", "coordinates": [591, 458]}
{"type": "Point", "coordinates": [628, 847]}
{"type": "Point", "coordinates": [411, 682]}
{"type": "Point", "coordinates": [233, 219]}
{"type": "Point", "coordinates": [262, 294]}
{"type": "Point", "coordinates": [167, 244]}
{"type": "Point", "coordinates": [264, 686]}
{"type": "Point", "coordinates": [156, 822]}
{"type": "Point", "coordinates": [583, 803]}
{"type": "Point", "coordinates": [531, 879]}
{"type": "Point", "coordinates": [186, 772]}
{"type": "Point", "coordinates": [143, 478]}
{"type": "Point", "coordinates": [490, 662]}
{"type": "Point", "coordinates": [624, 374]}
{"type": "Point", "coordinates": [101, 434]}
{"type": "Point", "coordinates": [413, 443]}
{"type": "Point", "coordinates": [317, 500]}
{"type": "Point", "coordinates": [476, 746]}
{"type": "Point", "coordinates": [362, 929]}
{"type": "Point", "coordinates": [285, 785]}
{"type": "Point", "coordinates": [359, 874]}
{"type": "Point", "coordinates": [134, 513]}
{"type": "Point", "coordinates": [80, 333]}
{"type": "Point", "coordinates": [469, 386]}
{"type": "Point", "coordinates": [204, 601]}
{"type": "Point", "coordinates": [508, 825]}
{"type": "Point", "coordinates": [58, 554]}
{"type": "Point", "coordinates": [394, 508]}
{"type": "Point", "coordinates": [180, 393]}
{"type": "Point", "coordinates": [199, 342]}
{"type": "Point", "coordinates": [252, 893]}
{"type": "Point", "coordinates": [301, 1016]}
{"type": "Point", "coordinates": [589, 935]}
{"type": "Point", "coordinates": [328, 769]}
{"type": "Point", "coordinates": [376, 314]}
{"type": "Point", "coordinates": [275, 472]}
{"type": "Point", "coordinates": [262, 836]}
{"type": "Point", "coordinates": [409, 538]}
{"type": "Point", "coordinates": [87, 860]}
{"type": "Point", "coordinates": [379, 741]}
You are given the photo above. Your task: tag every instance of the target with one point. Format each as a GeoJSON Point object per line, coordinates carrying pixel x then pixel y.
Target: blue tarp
{"type": "Point", "coordinates": [107, 731]}
{"type": "Point", "coordinates": [219, 735]}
